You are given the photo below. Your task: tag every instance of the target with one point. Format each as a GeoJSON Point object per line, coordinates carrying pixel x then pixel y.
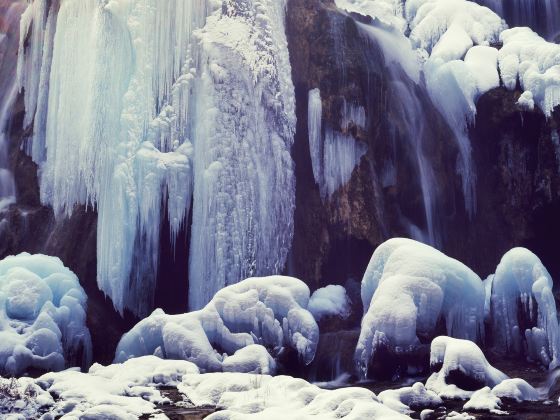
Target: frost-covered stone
{"type": "Point", "coordinates": [408, 399]}
{"type": "Point", "coordinates": [408, 288]}
{"type": "Point", "coordinates": [42, 316]}
{"type": "Point", "coordinates": [484, 400]}
{"type": "Point", "coordinates": [276, 398]}
{"type": "Point", "coordinates": [461, 369]}
{"type": "Point", "coordinates": [331, 300]}
{"type": "Point", "coordinates": [121, 391]}
{"type": "Point", "coordinates": [534, 63]}
{"type": "Point", "coordinates": [516, 389]}
{"type": "Point", "coordinates": [523, 310]}
{"type": "Point", "coordinates": [270, 311]}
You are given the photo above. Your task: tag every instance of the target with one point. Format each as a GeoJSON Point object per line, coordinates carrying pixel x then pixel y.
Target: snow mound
{"type": "Point", "coordinates": [329, 301]}
{"type": "Point", "coordinates": [534, 63]}
{"type": "Point", "coordinates": [407, 289]}
{"type": "Point", "coordinates": [241, 396]}
{"type": "Point", "coordinates": [251, 359]}
{"type": "Point", "coordinates": [484, 400]}
{"type": "Point", "coordinates": [523, 309]}
{"type": "Point", "coordinates": [462, 368]}
{"type": "Point", "coordinates": [125, 390]}
{"type": "Point", "coordinates": [448, 28]}
{"type": "Point", "coordinates": [516, 389]}
{"type": "Point", "coordinates": [42, 316]}
{"type": "Point", "coordinates": [408, 399]}
{"type": "Point", "coordinates": [22, 398]}
{"type": "Point", "coordinates": [269, 311]}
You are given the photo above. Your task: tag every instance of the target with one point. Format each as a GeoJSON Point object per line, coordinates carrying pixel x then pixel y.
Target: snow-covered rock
{"type": "Point", "coordinates": [408, 288]}
{"type": "Point", "coordinates": [516, 389]}
{"type": "Point", "coordinates": [241, 396]}
{"type": "Point", "coordinates": [484, 400]}
{"type": "Point", "coordinates": [523, 310]}
{"type": "Point", "coordinates": [42, 316]}
{"type": "Point", "coordinates": [331, 300]}
{"type": "Point", "coordinates": [461, 368]}
{"type": "Point", "coordinates": [123, 391]}
{"type": "Point", "coordinates": [23, 398]}
{"type": "Point", "coordinates": [408, 399]}
{"type": "Point", "coordinates": [534, 63]}
{"type": "Point", "coordinates": [270, 311]}
{"type": "Point", "coordinates": [251, 359]}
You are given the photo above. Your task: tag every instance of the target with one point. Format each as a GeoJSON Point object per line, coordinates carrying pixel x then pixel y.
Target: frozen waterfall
{"type": "Point", "coordinates": [135, 109]}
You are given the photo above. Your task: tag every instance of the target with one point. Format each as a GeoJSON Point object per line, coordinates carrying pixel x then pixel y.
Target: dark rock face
{"type": "Point", "coordinates": [517, 159]}
{"type": "Point", "coordinates": [335, 238]}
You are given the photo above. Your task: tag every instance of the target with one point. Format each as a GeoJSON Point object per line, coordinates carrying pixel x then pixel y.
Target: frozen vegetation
{"type": "Point", "coordinates": [239, 320]}
{"type": "Point", "coordinates": [42, 316]}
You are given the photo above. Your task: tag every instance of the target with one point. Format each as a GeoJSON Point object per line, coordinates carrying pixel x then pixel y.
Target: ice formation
{"type": "Point", "coordinates": [334, 154]}
{"type": "Point", "coordinates": [331, 300]}
{"type": "Point", "coordinates": [244, 193]}
{"type": "Point", "coordinates": [270, 311]}
{"type": "Point", "coordinates": [406, 400]}
{"type": "Point", "coordinates": [463, 368]}
{"type": "Point", "coordinates": [187, 111]}
{"type": "Point", "coordinates": [523, 310]}
{"type": "Point", "coordinates": [42, 316]}
{"type": "Point", "coordinates": [529, 60]}
{"type": "Point", "coordinates": [240, 396]}
{"type": "Point", "coordinates": [408, 287]}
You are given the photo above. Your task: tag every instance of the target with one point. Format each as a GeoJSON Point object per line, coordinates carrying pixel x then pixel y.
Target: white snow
{"type": "Point", "coordinates": [242, 396]}
{"type": "Point", "coordinates": [251, 359]}
{"type": "Point", "coordinates": [521, 282]}
{"type": "Point", "coordinates": [270, 311]}
{"type": "Point", "coordinates": [120, 391]}
{"type": "Point", "coordinates": [407, 288]}
{"type": "Point", "coordinates": [484, 400]}
{"type": "Point", "coordinates": [516, 389]}
{"type": "Point", "coordinates": [42, 316]}
{"type": "Point", "coordinates": [455, 355]}
{"type": "Point", "coordinates": [528, 59]}
{"type": "Point", "coordinates": [406, 400]}
{"type": "Point", "coordinates": [22, 398]}
{"type": "Point", "coordinates": [329, 301]}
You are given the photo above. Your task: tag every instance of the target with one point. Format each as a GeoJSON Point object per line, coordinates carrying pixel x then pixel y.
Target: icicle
{"type": "Point", "coordinates": [315, 114]}
{"type": "Point", "coordinates": [245, 123]}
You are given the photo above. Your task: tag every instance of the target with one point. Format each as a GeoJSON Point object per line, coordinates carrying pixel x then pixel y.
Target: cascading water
{"type": "Point", "coordinates": [135, 108]}
{"type": "Point", "coordinates": [8, 93]}
{"type": "Point", "coordinates": [543, 16]}
{"type": "Point", "coordinates": [405, 86]}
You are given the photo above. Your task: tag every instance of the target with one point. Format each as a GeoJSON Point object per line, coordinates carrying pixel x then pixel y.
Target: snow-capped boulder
{"type": "Point", "coordinates": [328, 301]}
{"type": "Point", "coordinates": [240, 396]}
{"type": "Point", "coordinates": [270, 311]}
{"type": "Point", "coordinates": [534, 63]}
{"type": "Point", "coordinates": [251, 359]}
{"type": "Point", "coordinates": [516, 389]}
{"type": "Point", "coordinates": [523, 310]}
{"type": "Point", "coordinates": [42, 316]}
{"type": "Point", "coordinates": [411, 291]}
{"type": "Point", "coordinates": [484, 400]}
{"type": "Point", "coordinates": [122, 391]}
{"type": "Point", "coordinates": [411, 398]}
{"type": "Point", "coordinates": [460, 369]}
